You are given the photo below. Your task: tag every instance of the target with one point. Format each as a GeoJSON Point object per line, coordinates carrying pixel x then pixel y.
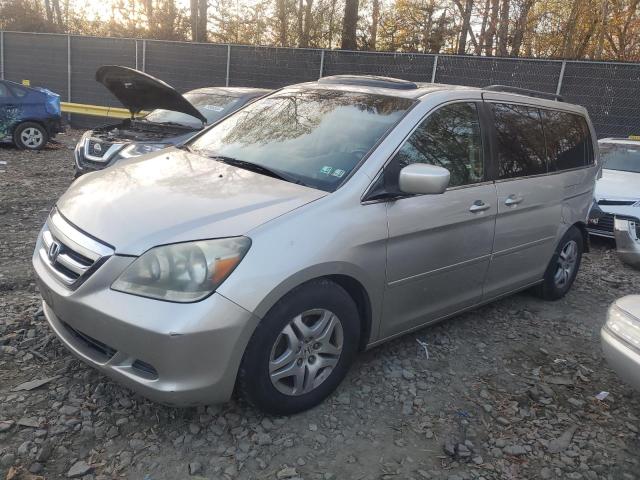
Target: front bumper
{"type": "Point", "coordinates": [627, 240]}
{"type": "Point", "coordinates": [621, 357]}
{"type": "Point", "coordinates": [175, 354]}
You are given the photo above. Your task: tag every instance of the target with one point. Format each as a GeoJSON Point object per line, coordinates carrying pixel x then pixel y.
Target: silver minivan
{"type": "Point", "coordinates": [324, 219]}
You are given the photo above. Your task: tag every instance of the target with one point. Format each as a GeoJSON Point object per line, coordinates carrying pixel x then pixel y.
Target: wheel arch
{"type": "Point", "coordinates": [582, 226]}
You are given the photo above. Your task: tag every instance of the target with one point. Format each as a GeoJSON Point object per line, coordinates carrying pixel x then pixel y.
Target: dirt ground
{"type": "Point", "coordinates": [505, 392]}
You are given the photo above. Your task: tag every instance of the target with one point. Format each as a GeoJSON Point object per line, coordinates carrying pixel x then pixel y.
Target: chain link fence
{"type": "Point", "coordinates": [66, 64]}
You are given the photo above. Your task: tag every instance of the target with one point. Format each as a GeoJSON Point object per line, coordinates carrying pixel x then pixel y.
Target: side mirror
{"type": "Point", "coordinates": [421, 178]}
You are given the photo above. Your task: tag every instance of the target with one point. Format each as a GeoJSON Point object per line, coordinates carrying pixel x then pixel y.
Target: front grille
{"type": "Point", "coordinates": [70, 254]}
{"type": "Point", "coordinates": [603, 223]}
{"type": "Point", "coordinates": [96, 346]}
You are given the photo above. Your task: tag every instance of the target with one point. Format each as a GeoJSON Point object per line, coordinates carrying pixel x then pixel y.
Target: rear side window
{"type": "Point", "coordinates": [450, 138]}
{"type": "Point", "coordinates": [18, 91]}
{"type": "Point", "coordinates": [520, 141]}
{"type": "Point", "coordinates": [569, 142]}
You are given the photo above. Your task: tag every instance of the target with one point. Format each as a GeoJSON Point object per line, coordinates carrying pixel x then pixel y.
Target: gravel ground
{"type": "Point", "coordinates": [506, 391]}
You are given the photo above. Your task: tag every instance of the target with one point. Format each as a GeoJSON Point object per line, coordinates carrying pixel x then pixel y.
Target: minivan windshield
{"type": "Point", "coordinates": [314, 137]}
{"type": "Point", "coordinates": [212, 106]}
{"type": "Point", "coordinates": [618, 156]}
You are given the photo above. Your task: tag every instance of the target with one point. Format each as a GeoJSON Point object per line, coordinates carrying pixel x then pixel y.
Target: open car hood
{"type": "Point", "coordinates": [139, 91]}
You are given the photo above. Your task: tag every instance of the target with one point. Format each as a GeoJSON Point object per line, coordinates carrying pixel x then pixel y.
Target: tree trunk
{"type": "Point", "coordinates": [602, 28]}
{"type": "Point", "coordinates": [281, 7]}
{"type": "Point", "coordinates": [521, 26]}
{"type": "Point", "coordinates": [331, 20]}
{"type": "Point", "coordinates": [483, 28]}
{"type": "Point", "coordinates": [437, 39]}
{"type": "Point", "coordinates": [47, 7]}
{"type": "Point", "coordinates": [570, 30]}
{"type": "Point", "coordinates": [307, 24]}
{"type": "Point", "coordinates": [493, 23]}
{"type": "Point", "coordinates": [375, 18]}
{"type": "Point", "coordinates": [350, 25]}
{"type": "Point", "coordinates": [503, 31]}
{"type": "Point", "coordinates": [300, 22]}
{"type": "Point", "coordinates": [466, 20]}
{"type": "Point", "coordinates": [57, 12]}
{"type": "Point", "coordinates": [202, 20]}
{"type": "Point", "coordinates": [193, 19]}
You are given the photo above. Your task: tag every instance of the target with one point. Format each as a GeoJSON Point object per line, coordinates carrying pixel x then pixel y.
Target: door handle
{"type": "Point", "coordinates": [513, 200]}
{"type": "Point", "coordinates": [479, 206]}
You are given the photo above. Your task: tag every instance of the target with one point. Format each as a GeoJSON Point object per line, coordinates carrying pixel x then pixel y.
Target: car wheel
{"type": "Point", "coordinates": [301, 350]}
{"type": "Point", "coordinates": [564, 265]}
{"type": "Point", "coordinates": [30, 136]}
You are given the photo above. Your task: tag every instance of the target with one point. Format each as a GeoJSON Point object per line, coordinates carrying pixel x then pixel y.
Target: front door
{"type": "Point", "coordinates": [439, 245]}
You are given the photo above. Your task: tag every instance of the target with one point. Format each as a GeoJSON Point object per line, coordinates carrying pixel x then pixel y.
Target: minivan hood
{"type": "Point", "coordinates": [176, 196]}
{"type": "Point", "coordinates": [139, 91]}
{"type": "Point", "coordinates": [618, 185]}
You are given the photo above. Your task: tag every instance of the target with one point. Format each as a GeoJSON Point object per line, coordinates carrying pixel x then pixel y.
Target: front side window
{"type": "Point", "coordinates": [618, 156]}
{"type": "Point", "coordinates": [314, 137]}
{"type": "Point", "coordinates": [568, 140]}
{"type": "Point", "coordinates": [450, 138]}
{"type": "Point", "coordinates": [520, 141]}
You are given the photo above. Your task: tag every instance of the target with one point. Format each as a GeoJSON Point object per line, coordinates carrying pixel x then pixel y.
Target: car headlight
{"type": "Point", "coordinates": [624, 326]}
{"type": "Point", "coordinates": [183, 272]}
{"type": "Point", "coordinates": [136, 149]}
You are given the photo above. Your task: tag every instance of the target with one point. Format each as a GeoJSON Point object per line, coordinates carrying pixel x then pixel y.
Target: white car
{"type": "Point", "coordinates": [621, 338]}
{"type": "Point", "coordinates": [616, 209]}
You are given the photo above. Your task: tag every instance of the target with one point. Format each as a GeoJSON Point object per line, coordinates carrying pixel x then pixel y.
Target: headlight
{"type": "Point", "coordinates": [183, 272]}
{"type": "Point", "coordinates": [624, 326]}
{"type": "Point", "coordinates": [136, 149]}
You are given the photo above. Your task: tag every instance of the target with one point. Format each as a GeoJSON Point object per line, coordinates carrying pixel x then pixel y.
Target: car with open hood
{"type": "Point", "coordinates": [328, 217]}
{"type": "Point", "coordinates": [172, 119]}
{"type": "Point", "coordinates": [29, 116]}
{"type": "Point", "coordinates": [616, 209]}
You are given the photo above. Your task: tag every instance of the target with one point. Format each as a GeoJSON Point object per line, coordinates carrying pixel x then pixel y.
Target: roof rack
{"type": "Point", "coordinates": [524, 91]}
{"type": "Point", "coordinates": [369, 81]}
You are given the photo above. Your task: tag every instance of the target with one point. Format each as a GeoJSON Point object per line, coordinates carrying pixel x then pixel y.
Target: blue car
{"type": "Point", "coordinates": [29, 116]}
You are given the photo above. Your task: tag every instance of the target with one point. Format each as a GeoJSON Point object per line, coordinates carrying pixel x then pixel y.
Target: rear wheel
{"type": "Point", "coordinates": [30, 136]}
{"type": "Point", "coordinates": [563, 267]}
{"type": "Point", "coordinates": [301, 350]}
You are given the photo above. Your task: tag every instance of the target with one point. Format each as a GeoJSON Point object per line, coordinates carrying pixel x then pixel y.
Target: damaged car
{"type": "Point", "coordinates": [616, 209]}
{"type": "Point", "coordinates": [173, 117]}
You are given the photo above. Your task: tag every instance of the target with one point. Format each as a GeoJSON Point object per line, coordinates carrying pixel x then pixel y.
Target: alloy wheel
{"type": "Point", "coordinates": [566, 263]}
{"type": "Point", "coordinates": [31, 137]}
{"type": "Point", "coordinates": [305, 352]}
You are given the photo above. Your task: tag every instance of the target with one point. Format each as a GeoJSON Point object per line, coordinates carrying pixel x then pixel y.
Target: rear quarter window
{"type": "Point", "coordinates": [568, 139]}
{"type": "Point", "coordinates": [520, 140]}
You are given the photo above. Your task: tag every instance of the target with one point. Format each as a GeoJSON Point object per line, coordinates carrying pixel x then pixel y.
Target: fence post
{"type": "Point", "coordinates": [564, 64]}
{"type": "Point", "coordinates": [68, 74]}
{"type": "Point", "coordinates": [435, 67]}
{"type": "Point", "coordinates": [228, 64]}
{"type": "Point", "coordinates": [136, 44]}
{"type": "Point", "coordinates": [321, 63]}
{"type": "Point", "coordinates": [1, 55]}
{"type": "Point", "coordinates": [144, 55]}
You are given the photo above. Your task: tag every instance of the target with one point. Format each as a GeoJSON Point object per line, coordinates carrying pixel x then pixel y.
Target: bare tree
{"type": "Point", "coordinates": [375, 18]}
{"type": "Point", "coordinates": [503, 30]}
{"type": "Point", "coordinates": [466, 21]}
{"type": "Point", "coordinates": [493, 24]}
{"type": "Point", "coordinates": [521, 25]}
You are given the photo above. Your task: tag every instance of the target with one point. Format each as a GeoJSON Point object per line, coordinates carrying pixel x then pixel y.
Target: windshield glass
{"type": "Point", "coordinates": [315, 136]}
{"type": "Point", "coordinates": [617, 156]}
{"type": "Point", "coordinates": [212, 106]}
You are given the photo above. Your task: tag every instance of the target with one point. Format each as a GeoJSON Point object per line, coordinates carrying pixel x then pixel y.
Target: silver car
{"type": "Point", "coordinates": [621, 338]}
{"type": "Point", "coordinates": [324, 219]}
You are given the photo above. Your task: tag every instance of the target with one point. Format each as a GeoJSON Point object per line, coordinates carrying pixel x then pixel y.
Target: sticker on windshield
{"type": "Point", "coordinates": [326, 170]}
{"type": "Point", "coordinates": [215, 108]}
{"type": "Point", "coordinates": [338, 173]}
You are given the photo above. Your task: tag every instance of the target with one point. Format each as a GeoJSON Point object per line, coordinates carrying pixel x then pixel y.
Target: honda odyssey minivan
{"type": "Point", "coordinates": [323, 219]}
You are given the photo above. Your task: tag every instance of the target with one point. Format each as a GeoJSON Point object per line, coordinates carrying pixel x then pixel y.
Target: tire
{"type": "Point", "coordinates": [273, 349]}
{"type": "Point", "coordinates": [30, 136]}
{"type": "Point", "coordinates": [567, 257]}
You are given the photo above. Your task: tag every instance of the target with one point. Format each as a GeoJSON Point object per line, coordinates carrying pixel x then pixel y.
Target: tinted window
{"type": "Point", "coordinates": [315, 136]}
{"type": "Point", "coordinates": [617, 156]}
{"type": "Point", "coordinates": [18, 91]}
{"type": "Point", "coordinates": [521, 149]}
{"type": "Point", "coordinates": [4, 92]}
{"type": "Point", "coordinates": [449, 138]}
{"type": "Point", "coordinates": [568, 140]}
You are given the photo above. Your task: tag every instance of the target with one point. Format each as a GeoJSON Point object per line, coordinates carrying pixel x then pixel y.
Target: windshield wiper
{"type": "Point", "coordinates": [254, 167]}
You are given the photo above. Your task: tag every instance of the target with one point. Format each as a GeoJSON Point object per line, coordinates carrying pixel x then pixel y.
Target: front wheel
{"type": "Point", "coordinates": [30, 136]}
{"type": "Point", "coordinates": [563, 268]}
{"type": "Point", "coordinates": [301, 350]}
